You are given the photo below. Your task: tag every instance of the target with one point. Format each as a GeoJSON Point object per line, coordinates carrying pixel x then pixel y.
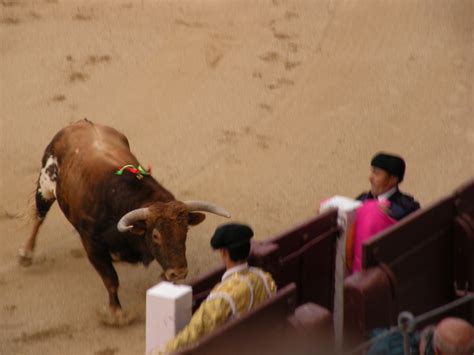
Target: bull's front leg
{"type": "Point", "coordinates": [113, 315]}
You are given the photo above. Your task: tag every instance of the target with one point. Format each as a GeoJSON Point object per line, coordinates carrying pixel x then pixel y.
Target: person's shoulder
{"type": "Point", "coordinates": [270, 281]}
{"type": "Point", "coordinates": [234, 285]}
{"type": "Point", "coordinates": [268, 276]}
{"type": "Point", "coordinates": [407, 199]}
{"type": "Point", "coordinates": [262, 272]}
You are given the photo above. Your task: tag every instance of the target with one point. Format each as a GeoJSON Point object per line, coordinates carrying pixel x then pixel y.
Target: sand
{"type": "Point", "coordinates": [264, 107]}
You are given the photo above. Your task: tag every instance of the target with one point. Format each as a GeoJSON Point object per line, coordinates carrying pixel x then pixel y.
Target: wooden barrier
{"type": "Point", "coordinates": [463, 254]}
{"type": "Point", "coordinates": [304, 255]}
{"type": "Point", "coordinates": [415, 265]}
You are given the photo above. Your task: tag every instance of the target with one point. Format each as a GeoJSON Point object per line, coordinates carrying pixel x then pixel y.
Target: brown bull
{"type": "Point", "coordinates": [120, 214]}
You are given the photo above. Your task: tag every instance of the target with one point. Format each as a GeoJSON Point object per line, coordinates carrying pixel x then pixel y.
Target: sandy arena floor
{"type": "Point", "coordinates": [264, 107]}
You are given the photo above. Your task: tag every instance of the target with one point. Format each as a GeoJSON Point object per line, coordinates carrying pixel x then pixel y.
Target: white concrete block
{"type": "Point", "coordinates": [168, 310]}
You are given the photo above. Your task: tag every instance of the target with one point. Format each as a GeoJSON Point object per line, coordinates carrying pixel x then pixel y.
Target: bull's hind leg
{"type": "Point", "coordinates": [44, 198]}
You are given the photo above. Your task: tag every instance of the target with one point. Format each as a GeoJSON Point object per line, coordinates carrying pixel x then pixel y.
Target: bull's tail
{"type": "Point", "coordinates": [29, 213]}
{"type": "Point", "coordinates": [25, 215]}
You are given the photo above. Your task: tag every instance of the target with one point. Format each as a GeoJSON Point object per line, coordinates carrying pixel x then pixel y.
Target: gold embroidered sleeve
{"type": "Point", "coordinates": [271, 283]}
{"type": "Point", "coordinates": [210, 315]}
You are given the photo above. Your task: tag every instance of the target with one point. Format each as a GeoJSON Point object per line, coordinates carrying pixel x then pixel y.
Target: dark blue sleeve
{"type": "Point", "coordinates": [399, 211]}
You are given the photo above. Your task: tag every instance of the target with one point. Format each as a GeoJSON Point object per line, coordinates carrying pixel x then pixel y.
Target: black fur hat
{"type": "Point", "coordinates": [231, 235]}
{"type": "Point", "coordinates": [392, 164]}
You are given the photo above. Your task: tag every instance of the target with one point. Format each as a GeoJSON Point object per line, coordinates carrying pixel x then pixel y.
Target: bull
{"type": "Point", "coordinates": [119, 210]}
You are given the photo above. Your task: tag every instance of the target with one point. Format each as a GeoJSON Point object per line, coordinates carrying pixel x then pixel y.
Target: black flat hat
{"type": "Point", "coordinates": [392, 164]}
{"type": "Point", "coordinates": [231, 234]}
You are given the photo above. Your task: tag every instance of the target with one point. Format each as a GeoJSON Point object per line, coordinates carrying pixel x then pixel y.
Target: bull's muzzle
{"type": "Point", "coordinates": [176, 274]}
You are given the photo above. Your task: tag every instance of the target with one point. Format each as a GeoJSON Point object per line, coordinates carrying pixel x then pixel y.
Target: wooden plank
{"type": "Point", "coordinates": [411, 231]}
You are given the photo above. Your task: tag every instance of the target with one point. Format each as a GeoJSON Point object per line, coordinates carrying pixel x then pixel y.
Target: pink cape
{"type": "Point", "coordinates": [370, 220]}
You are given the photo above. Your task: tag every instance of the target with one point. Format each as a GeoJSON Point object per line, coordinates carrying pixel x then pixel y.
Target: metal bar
{"type": "Point", "coordinates": [421, 318]}
{"type": "Point", "coordinates": [444, 308]}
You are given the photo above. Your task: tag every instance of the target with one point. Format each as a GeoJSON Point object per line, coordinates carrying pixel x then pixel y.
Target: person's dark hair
{"type": "Point", "coordinates": [239, 252]}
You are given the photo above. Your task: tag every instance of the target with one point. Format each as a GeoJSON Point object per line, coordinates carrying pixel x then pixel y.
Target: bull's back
{"type": "Point", "coordinates": [86, 155]}
{"type": "Point", "coordinates": [85, 137]}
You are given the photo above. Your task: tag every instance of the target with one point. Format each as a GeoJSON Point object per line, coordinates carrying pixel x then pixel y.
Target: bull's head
{"type": "Point", "coordinates": [165, 226]}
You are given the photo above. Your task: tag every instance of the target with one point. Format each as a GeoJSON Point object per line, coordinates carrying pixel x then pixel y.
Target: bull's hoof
{"type": "Point", "coordinates": [25, 258]}
{"type": "Point", "coordinates": [118, 318]}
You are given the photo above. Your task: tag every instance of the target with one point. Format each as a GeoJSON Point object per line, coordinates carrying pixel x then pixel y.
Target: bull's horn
{"type": "Point", "coordinates": [127, 221]}
{"type": "Point", "coordinates": [206, 207]}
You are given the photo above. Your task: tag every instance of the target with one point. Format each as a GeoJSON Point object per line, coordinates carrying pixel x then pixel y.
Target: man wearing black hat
{"type": "Point", "coordinates": [387, 173]}
{"type": "Point", "coordinates": [241, 289]}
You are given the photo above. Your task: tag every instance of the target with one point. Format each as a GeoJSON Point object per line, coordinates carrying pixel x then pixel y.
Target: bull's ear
{"type": "Point", "coordinates": [139, 228]}
{"type": "Point", "coordinates": [195, 218]}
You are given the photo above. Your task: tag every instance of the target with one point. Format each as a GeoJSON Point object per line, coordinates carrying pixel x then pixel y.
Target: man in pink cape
{"type": "Point", "coordinates": [383, 205]}
{"type": "Point", "coordinates": [371, 218]}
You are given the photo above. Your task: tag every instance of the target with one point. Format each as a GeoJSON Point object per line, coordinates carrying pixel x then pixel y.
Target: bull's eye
{"type": "Point", "coordinates": [156, 236]}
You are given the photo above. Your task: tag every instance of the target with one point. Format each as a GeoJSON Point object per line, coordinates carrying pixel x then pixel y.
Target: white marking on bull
{"type": "Point", "coordinates": [99, 145]}
{"type": "Point", "coordinates": [47, 179]}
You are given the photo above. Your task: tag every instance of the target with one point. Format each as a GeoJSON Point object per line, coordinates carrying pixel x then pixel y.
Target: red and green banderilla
{"type": "Point", "coordinates": [139, 171]}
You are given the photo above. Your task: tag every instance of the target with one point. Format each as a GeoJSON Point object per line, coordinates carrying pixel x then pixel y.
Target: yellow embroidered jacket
{"type": "Point", "coordinates": [242, 288]}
